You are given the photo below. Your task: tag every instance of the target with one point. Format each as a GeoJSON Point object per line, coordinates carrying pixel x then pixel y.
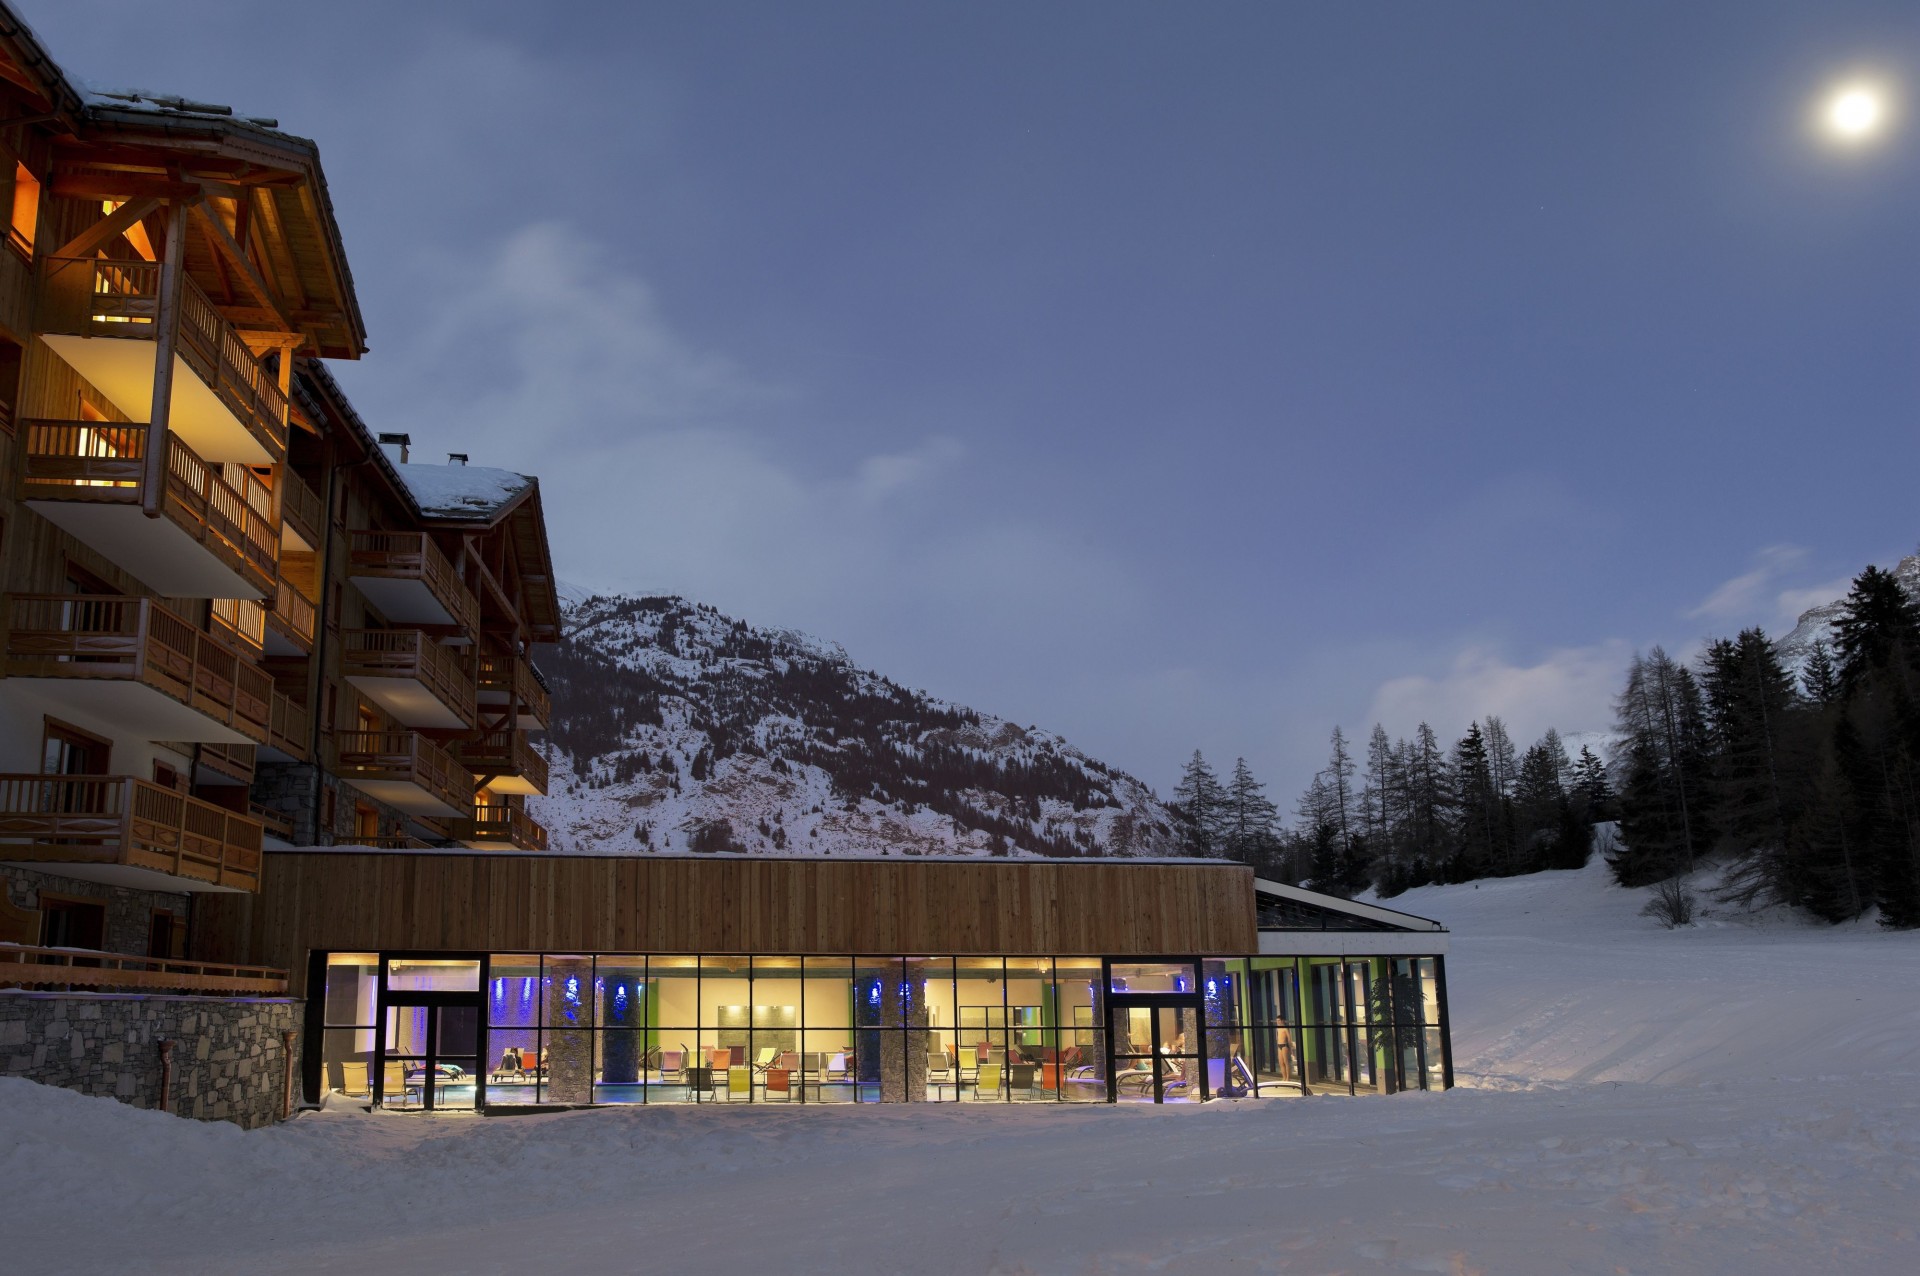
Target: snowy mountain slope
{"type": "Point", "coordinates": [1816, 624]}
{"type": "Point", "coordinates": [676, 728]}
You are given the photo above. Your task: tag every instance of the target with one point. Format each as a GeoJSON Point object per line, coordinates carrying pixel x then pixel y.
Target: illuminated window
{"type": "Point", "coordinates": [136, 234]}
{"type": "Point", "coordinates": [26, 211]}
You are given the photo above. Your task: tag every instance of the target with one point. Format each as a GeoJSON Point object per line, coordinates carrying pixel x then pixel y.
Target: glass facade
{"type": "Point", "coordinates": [450, 1031]}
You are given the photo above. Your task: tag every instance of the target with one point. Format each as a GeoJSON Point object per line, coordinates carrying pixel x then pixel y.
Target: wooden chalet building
{"type": "Point", "coordinates": [232, 617]}
{"type": "Point", "coordinates": [242, 628]}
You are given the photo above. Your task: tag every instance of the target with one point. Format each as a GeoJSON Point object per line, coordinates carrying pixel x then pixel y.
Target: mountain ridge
{"type": "Point", "coordinates": [677, 728]}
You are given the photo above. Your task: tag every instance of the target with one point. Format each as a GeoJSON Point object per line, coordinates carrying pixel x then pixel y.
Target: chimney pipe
{"type": "Point", "coordinates": [401, 441]}
{"type": "Point", "coordinates": [456, 458]}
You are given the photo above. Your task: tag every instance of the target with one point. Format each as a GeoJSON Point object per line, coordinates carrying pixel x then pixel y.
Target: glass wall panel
{"type": "Point", "coordinates": [346, 1049]}
{"type": "Point", "coordinates": [513, 1031]}
{"type": "Point", "coordinates": [1082, 1071]}
{"type": "Point", "coordinates": [567, 1010]}
{"type": "Point", "coordinates": [1158, 976]}
{"type": "Point", "coordinates": [1033, 1039]}
{"type": "Point", "coordinates": [627, 1040]}
{"type": "Point", "coordinates": [726, 1025]}
{"type": "Point", "coordinates": [432, 975]}
{"type": "Point", "coordinates": [932, 1033]}
{"type": "Point", "coordinates": [880, 1007]}
{"type": "Point", "coordinates": [827, 1037]}
{"type": "Point", "coordinates": [681, 1073]}
{"type": "Point", "coordinates": [778, 993]}
{"type": "Point", "coordinates": [980, 1004]}
{"type": "Point", "coordinates": [1221, 987]}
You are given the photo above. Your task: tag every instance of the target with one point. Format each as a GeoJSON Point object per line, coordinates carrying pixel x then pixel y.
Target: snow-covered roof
{"type": "Point", "coordinates": [1390, 918]}
{"type": "Point", "coordinates": [466, 492]}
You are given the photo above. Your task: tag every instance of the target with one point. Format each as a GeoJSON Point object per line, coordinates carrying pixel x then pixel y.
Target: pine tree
{"type": "Point", "coordinates": [1757, 772]}
{"type": "Point", "coordinates": [1593, 783]}
{"type": "Point", "coordinates": [1666, 752]}
{"type": "Point", "coordinates": [1201, 803]}
{"type": "Point", "coordinates": [1340, 781]}
{"type": "Point", "coordinates": [1479, 808]}
{"type": "Point", "coordinates": [1430, 807]}
{"type": "Point", "coordinates": [1250, 818]}
{"type": "Point", "coordinates": [1821, 679]}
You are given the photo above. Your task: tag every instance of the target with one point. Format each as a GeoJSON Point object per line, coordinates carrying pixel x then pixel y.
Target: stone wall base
{"type": "Point", "coordinates": [229, 1057]}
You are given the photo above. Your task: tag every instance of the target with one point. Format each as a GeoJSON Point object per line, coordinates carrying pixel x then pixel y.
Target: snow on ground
{"type": "Point", "coordinates": [1731, 1098]}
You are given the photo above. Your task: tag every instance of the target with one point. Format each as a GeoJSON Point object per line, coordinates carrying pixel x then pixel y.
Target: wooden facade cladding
{"type": "Point", "coordinates": [448, 902]}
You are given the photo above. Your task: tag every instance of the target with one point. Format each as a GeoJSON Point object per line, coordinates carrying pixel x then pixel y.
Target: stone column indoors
{"type": "Point", "coordinates": [567, 1000]}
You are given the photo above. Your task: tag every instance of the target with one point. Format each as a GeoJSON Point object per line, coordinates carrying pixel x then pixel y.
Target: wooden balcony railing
{"type": "Point", "coordinates": [102, 462]}
{"type": "Point", "coordinates": [93, 297]}
{"type": "Point", "coordinates": [300, 507]}
{"type": "Point", "coordinates": [507, 676]}
{"type": "Point", "coordinates": [101, 819]}
{"type": "Point", "coordinates": [408, 653]}
{"type": "Point", "coordinates": [27, 967]}
{"type": "Point", "coordinates": [116, 638]}
{"type": "Point", "coordinates": [414, 556]}
{"type": "Point", "coordinates": [404, 756]}
{"type": "Point", "coordinates": [234, 761]}
{"type": "Point", "coordinates": [292, 614]}
{"type": "Point", "coordinates": [276, 823]}
{"type": "Point", "coordinates": [504, 753]}
{"type": "Point", "coordinates": [497, 824]}
{"type": "Point", "coordinates": [243, 620]}
{"type": "Point", "coordinates": [289, 727]}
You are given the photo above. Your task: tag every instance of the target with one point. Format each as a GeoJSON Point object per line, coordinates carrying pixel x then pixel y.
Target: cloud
{"type": "Point", "coordinates": [1746, 593]}
{"type": "Point", "coordinates": [1571, 689]}
{"type": "Point", "coordinates": [1791, 602]}
{"type": "Point", "coordinates": [667, 464]}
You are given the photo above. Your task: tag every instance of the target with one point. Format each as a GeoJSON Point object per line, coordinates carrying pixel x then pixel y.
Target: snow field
{"type": "Point", "coordinates": [1735, 1098]}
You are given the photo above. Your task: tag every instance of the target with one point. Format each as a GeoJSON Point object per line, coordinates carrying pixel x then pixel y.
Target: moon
{"type": "Point", "coordinates": [1855, 112]}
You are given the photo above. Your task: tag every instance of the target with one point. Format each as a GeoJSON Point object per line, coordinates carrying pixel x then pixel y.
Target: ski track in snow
{"type": "Point", "coordinates": [1739, 1097]}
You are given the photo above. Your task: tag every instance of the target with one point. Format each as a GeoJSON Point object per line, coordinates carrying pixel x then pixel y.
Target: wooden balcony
{"type": "Point", "coordinates": [406, 576]}
{"type": "Point", "coordinates": [277, 824]}
{"type": "Point", "coordinates": [417, 681]}
{"type": "Point", "coordinates": [216, 540]}
{"type": "Point", "coordinates": [508, 760]}
{"type": "Point", "coordinates": [131, 823]}
{"type": "Point", "coordinates": [225, 764]}
{"type": "Point", "coordinates": [99, 316]}
{"type": "Point", "coordinates": [25, 967]}
{"type": "Point", "coordinates": [405, 770]}
{"type": "Point", "coordinates": [301, 515]}
{"type": "Point", "coordinates": [134, 665]}
{"type": "Point", "coordinates": [499, 828]}
{"type": "Point", "coordinates": [289, 731]}
{"type": "Point", "coordinates": [289, 626]}
{"type": "Point", "coordinates": [507, 679]}
{"type": "Point", "coordinates": [242, 621]}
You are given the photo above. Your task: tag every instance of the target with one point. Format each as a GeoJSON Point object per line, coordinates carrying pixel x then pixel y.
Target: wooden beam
{"type": "Point", "coordinates": [237, 257]}
{"type": "Point", "coordinates": [107, 229]}
{"type": "Point", "coordinates": [119, 186]}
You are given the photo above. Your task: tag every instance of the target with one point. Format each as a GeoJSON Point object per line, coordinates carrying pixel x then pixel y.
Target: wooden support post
{"type": "Point", "coordinates": [166, 336]}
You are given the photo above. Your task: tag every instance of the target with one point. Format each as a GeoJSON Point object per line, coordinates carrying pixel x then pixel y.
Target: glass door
{"type": "Point", "coordinates": [1157, 1049]}
{"type": "Point", "coordinates": [430, 1053]}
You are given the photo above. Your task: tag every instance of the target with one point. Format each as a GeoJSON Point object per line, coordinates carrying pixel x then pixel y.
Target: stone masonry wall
{"type": "Point", "coordinates": [129, 911]}
{"type": "Point", "coordinates": [229, 1058]}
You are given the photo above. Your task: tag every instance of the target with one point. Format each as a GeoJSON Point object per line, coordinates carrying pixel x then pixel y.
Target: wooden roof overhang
{"type": "Point", "coordinates": [266, 248]}
{"type": "Point", "coordinates": [37, 90]}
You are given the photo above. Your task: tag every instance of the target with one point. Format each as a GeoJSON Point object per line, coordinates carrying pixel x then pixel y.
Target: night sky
{"type": "Point", "coordinates": [1168, 376]}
